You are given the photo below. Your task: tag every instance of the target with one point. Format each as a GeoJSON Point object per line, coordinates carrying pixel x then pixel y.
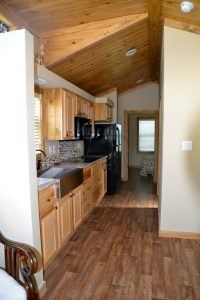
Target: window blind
{"type": "Point", "coordinates": [37, 119]}
{"type": "Point", "coordinates": [146, 135]}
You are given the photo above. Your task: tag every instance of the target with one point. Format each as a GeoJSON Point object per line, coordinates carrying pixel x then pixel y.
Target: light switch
{"type": "Point", "coordinates": [186, 145]}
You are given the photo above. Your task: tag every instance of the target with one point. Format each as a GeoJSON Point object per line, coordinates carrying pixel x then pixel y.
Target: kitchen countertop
{"type": "Point", "coordinates": [43, 183]}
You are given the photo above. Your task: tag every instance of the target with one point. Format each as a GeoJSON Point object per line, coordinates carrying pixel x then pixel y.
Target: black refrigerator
{"type": "Point", "coordinates": [107, 141]}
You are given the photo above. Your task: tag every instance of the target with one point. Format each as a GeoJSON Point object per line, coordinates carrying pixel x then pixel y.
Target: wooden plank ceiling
{"type": "Point", "coordinates": [85, 41]}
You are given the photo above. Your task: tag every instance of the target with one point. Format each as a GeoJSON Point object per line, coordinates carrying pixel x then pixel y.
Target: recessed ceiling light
{"type": "Point", "coordinates": [187, 6]}
{"type": "Point", "coordinates": [41, 81]}
{"type": "Point", "coordinates": [131, 52]}
{"type": "Point", "coordinates": [140, 80]}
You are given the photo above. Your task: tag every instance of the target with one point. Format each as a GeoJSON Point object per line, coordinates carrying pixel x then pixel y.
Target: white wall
{"type": "Point", "coordinates": [19, 217]}
{"type": "Point", "coordinates": [146, 98]}
{"type": "Point", "coordinates": [55, 81]}
{"type": "Point", "coordinates": [135, 157]}
{"type": "Point", "coordinates": [180, 170]}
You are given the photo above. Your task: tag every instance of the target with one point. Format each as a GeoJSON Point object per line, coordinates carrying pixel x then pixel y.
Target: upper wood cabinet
{"type": "Point", "coordinates": [91, 111]}
{"type": "Point", "coordinates": [103, 112]}
{"type": "Point", "coordinates": [83, 108]}
{"type": "Point", "coordinates": [59, 107]}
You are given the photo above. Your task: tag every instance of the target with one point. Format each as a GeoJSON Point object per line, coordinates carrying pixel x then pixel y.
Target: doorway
{"type": "Point", "coordinates": [140, 155]}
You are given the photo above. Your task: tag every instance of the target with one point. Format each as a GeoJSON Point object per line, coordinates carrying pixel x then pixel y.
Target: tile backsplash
{"type": "Point", "coordinates": [72, 149]}
{"type": "Point", "coordinates": [62, 150]}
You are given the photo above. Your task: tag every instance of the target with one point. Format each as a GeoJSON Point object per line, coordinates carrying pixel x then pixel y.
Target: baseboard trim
{"type": "Point", "coordinates": [179, 235]}
{"type": "Point", "coordinates": [43, 289]}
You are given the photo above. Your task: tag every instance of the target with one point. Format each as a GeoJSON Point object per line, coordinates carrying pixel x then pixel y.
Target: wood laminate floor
{"type": "Point", "coordinates": [138, 191]}
{"type": "Point", "coordinates": [116, 254]}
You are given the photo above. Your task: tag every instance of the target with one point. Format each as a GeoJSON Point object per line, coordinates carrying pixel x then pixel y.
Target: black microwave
{"type": "Point", "coordinates": [83, 128]}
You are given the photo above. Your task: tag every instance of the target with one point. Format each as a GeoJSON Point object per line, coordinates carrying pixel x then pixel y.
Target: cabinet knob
{"type": "Point", "coordinates": [48, 200]}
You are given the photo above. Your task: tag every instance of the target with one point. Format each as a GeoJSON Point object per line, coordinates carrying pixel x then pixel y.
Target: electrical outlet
{"type": "Point", "coordinates": [50, 150]}
{"type": "Point", "coordinates": [54, 149]}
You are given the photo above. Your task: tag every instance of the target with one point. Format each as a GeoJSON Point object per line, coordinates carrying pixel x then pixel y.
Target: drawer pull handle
{"type": "Point", "coordinates": [48, 200]}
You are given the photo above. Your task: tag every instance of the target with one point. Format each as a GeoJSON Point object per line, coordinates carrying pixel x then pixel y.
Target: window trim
{"type": "Point", "coordinates": [145, 119]}
{"type": "Point", "coordinates": [39, 96]}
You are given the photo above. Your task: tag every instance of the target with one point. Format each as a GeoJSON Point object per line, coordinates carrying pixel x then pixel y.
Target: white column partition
{"type": "Point", "coordinates": [19, 218]}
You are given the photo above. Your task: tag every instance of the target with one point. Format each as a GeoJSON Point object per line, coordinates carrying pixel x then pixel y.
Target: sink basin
{"type": "Point", "coordinates": [68, 178]}
{"type": "Point", "coordinates": [42, 180]}
{"type": "Point", "coordinates": [55, 172]}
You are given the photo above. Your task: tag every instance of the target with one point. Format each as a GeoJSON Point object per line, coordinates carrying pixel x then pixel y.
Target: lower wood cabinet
{"type": "Point", "coordinates": [48, 225]}
{"type": "Point", "coordinates": [64, 217]}
{"type": "Point", "coordinates": [87, 197]}
{"type": "Point", "coordinates": [59, 218]}
{"type": "Point", "coordinates": [94, 186]}
{"type": "Point", "coordinates": [77, 206]}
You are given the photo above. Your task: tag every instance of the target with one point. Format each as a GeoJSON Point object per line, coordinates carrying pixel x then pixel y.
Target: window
{"type": "Point", "coordinates": [146, 135]}
{"type": "Point", "coordinates": [38, 127]}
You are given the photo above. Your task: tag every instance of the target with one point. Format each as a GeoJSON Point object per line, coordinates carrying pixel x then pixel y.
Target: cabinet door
{"type": "Point", "coordinates": [69, 113]}
{"type": "Point", "coordinates": [77, 206]}
{"type": "Point", "coordinates": [52, 114]}
{"type": "Point", "coordinates": [65, 224]}
{"type": "Point", "coordinates": [110, 110]}
{"type": "Point", "coordinates": [91, 111]}
{"type": "Point", "coordinates": [105, 183]}
{"type": "Point", "coordinates": [87, 109]}
{"type": "Point", "coordinates": [87, 203]}
{"type": "Point", "coordinates": [96, 111]}
{"type": "Point", "coordinates": [49, 236]}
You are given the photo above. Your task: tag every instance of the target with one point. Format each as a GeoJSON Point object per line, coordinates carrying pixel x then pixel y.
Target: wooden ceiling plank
{"type": "Point", "coordinates": [54, 14]}
{"type": "Point", "coordinates": [108, 91]}
{"type": "Point", "coordinates": [172, 10]}
{"type": "Point", "coordinates": [138, 86]}
{"type": "Point", "coordinates": [105, 65]}
{"type": "Point", "coordinates": [18, 22]}
{"type": "Point", "coordinates": [65, 46]}
{"type": "Point", "coordinates": [91, 26]}
{"type": "Point", "coordinates": [154, 9]}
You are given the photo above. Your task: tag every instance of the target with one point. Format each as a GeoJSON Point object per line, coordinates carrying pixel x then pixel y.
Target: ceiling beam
{"type": "Point", "coordinates": [155, 27]}
{"type": "Point", "coordinates": [68, 42]}
{"type": "Point", "coordinates": [14, 19]}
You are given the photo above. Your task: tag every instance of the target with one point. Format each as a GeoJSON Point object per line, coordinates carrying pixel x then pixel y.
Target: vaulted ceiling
{"type": "Point", "coordinates": [85, 41]}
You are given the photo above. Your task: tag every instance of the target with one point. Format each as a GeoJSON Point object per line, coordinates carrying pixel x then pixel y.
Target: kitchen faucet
{"type": "Point", "coordinates": [39, 165]}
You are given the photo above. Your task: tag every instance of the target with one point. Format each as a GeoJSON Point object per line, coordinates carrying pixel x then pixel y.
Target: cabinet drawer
{"type": "Point", "coordinates": [46, 200]}
{"type": "Point", "coordinates": [87, 173]}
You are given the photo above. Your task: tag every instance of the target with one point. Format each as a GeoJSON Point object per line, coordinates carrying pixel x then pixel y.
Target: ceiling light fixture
{"type": "Point", "coordinates": [131, 52]}
{"type": "Point", "coordinates": [41, 81]}
{"type": "Point", "coordinates": [187, 6]}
